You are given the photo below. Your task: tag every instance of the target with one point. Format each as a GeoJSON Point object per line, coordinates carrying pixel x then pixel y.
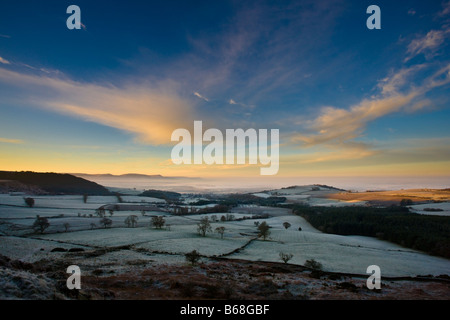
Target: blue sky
{"type": "Point", "coordinates": [347, 100]}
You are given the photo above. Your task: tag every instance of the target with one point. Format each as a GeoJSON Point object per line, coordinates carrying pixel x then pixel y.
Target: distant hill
{"type": "Point", "coordinates": [128, 175]}
{"type": "Point", "coordinates": [53, 183]}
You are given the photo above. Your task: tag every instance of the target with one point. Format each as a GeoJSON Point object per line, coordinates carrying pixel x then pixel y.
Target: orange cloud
{"type": "Point", "coordinates": [14, 141]}
{"type": "Point", "coordinates": [4, 61]}
{"type": "Point", "coordinates": [149, 112]}
{"type": "Point", "coordinates": [336, 125]}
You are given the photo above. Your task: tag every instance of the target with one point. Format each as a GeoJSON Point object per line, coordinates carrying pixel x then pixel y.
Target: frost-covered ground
{"type": "Point", "coordinates": [312, 195]}
{"type": "Point", "coordinates": [444, 206]}
{"type": "Point", "coordinates": [348, 254]}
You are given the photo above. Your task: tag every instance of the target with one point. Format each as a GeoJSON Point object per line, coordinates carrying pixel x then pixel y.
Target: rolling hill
{"type": "Point", "coordinates": [51, 183]}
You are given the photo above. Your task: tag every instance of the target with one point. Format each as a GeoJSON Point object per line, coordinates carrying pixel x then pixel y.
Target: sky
{"type": "Point", "coordinates": [348, 101]}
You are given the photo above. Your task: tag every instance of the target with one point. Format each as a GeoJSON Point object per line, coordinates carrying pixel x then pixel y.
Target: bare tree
{"type": "Point", "coordinates": [100, 212]}
{"type": "Point", "coordinates": [285, 257]}
{"type": "Point", "coordinates": [221, 231]}
{"type": "Point", "coordinates": [203, 226]}
{"type": "Point", "coordinates": [229, 217]}
{"type": "Point", "coordinates": [106, 222]}
{"type": "Point", "coordinates": [131, 221]}
{"type": "Point", "coordinates": [66, 226]}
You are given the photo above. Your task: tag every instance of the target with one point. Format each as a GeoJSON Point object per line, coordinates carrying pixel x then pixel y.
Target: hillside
{"type": "Point", "coordinates": [51, 183]}
{"type": "Point", "coordinates": [390, 197]}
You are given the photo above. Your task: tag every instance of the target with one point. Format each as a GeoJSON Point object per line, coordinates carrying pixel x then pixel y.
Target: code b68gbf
{"type": "Point", "coordinates": [246, 309]}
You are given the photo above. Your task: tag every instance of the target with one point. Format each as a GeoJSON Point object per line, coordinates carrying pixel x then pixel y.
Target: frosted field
{"type": "Point", "coordinates": [31, 250]}
{"type": "Point", "coordinates": [445, 206]}
{"type": "Point", "coordinates": [74, 202]}
{"type": "Point", "coordinates": [306, 196]}
{"type": "Point", "coordinates": [351, 254]}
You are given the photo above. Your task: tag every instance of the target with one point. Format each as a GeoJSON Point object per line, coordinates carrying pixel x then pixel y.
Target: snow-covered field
{"type": "Point", "coordinates": [444, 206]}
{"type": "Point", "coordinates": [351, 254]}
{"type": "Point", "coordinates": [312, 195]}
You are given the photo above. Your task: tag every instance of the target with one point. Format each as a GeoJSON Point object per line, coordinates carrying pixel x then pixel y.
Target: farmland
{"type": "Point", "coordinates": [76, 236]}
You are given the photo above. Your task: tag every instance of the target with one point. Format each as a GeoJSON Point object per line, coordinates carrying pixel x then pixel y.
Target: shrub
{"type": "Point", "coordinates": [40, 224]}
{"type": "Point", "coordinates": [313, 264]}
{"type": "Point", "coordinates": [285, 257]}
{"type": "Point", "coordinates": [29, 202]}
{"type": "Point", "coordinates": [286, 225]}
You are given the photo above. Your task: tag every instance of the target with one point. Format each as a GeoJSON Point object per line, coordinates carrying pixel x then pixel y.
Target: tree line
{"type": "Point", "coordinates": [397, 224]}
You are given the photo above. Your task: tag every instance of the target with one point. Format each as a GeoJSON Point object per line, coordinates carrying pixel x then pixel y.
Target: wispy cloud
{"type": "Point", "coordinates": [5, 36]}
{"type": "Point", "coordinates": [393, 83]}
{"type": "Point", "coordinates": [4, 61]}
{"type": "Point", "coordinates": [228, 63]}
{"type": "Point", "coordinates": [428, 44]}
{"type": "Point", "coordinates": [341, 125]}
{"type": "Point", "coordinates": [40, 69]}
{"type": "Point", "coordinates": [446, 9]}
{"type": "Point", "coordinates": [338, 153]}
{"type": "Point", "coordinates": [150, 112]}
{"type": "Point", "coordinates": [397, 92]}
{"type": "Point", "coordinates": [13, 141]}
{"type": "Point", "coordinates": [244, 105]}
{"type": "Point", "coordinates": [338, 125]}
{"type": "Point", "coordinates": [200, 96]}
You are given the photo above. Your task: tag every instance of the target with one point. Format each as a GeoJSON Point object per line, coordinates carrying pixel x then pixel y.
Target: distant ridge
{"type": "Point", "coordinates": [54, 183]}
{"type": "Point", "coordinates": [127, 176]}
{"type": "Point", "coordinates": [315, 185]}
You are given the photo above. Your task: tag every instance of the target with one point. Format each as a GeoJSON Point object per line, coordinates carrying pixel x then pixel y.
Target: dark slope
{"type": "Point", "coordinates": [55, 183]}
